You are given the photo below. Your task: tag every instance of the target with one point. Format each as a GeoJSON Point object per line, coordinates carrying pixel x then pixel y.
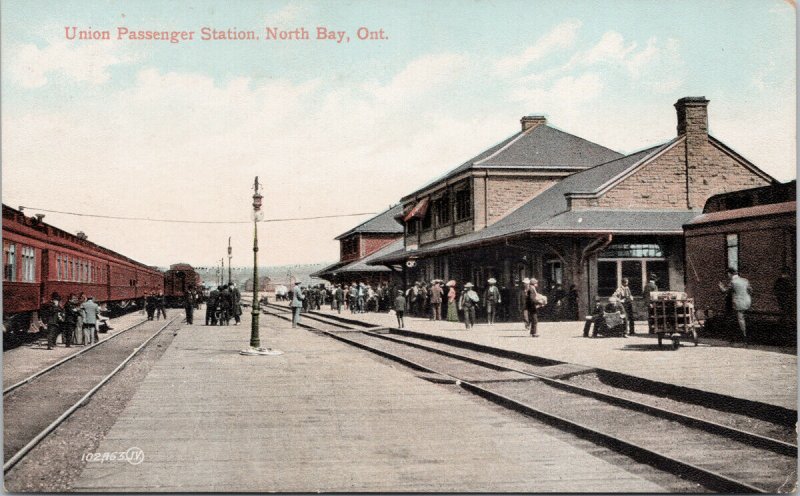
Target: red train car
{"type": "Point", "coordinates": [177, 280]}
{"type": "Point", "coordinates": [753, 231]}
{"type": "Point", "coordinates": [39, 259]}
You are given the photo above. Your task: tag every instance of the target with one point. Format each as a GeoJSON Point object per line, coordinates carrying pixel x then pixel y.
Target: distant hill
{"type": "Point", "coordinates": [278, 274]}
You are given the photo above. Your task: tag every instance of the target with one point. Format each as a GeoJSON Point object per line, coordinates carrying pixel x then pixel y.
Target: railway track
{"type": "Point", "coordinates": [37, 405]}
{"type": "Point", "coordinates": [714, 454]}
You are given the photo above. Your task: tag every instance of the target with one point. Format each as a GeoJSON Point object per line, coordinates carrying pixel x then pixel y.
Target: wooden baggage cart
{"type": "Point", "coordinates": [671, 315]}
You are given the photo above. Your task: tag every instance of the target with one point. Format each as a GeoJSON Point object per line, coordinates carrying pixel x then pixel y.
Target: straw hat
{"type": "Point", "coordinates": [468, 285]}
{"type": "Point", "coordinates": [492, 280]}
{"type": "Point", "coordinates": [526, 281]}
{"type": "Point", "coordinates": [451, 283]}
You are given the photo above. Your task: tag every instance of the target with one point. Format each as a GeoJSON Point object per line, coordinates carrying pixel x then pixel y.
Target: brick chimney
{"type": "Point", "coordinates": [530, 121]}
{"type": "Point", "coordinates": [693, 123]}
{"type": "Point", "coordinates": [692, 115]}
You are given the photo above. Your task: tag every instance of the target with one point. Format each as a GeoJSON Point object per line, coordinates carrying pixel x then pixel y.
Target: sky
{"type": "Point", "coordinates": [161, 130]}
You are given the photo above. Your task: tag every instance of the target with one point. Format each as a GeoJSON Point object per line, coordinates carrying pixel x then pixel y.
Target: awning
{"type": "Point", "coordinates": [419, 210]}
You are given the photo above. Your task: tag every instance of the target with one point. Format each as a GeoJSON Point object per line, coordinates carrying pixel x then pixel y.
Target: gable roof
{"type": "Point", "coordinates": [383, 223]}
{"type": "Point", "coordinates": [541, 147]}
{"type": "Point", "coordinates": [549, 211]}
{"type": "Point", "coordinates": [363, 264]}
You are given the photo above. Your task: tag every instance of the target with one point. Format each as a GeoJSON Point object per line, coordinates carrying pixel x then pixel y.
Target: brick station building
{"type": "Point", "coordinates": [550, 205]}
{"type": "Point", "coordinates": [367, 241]}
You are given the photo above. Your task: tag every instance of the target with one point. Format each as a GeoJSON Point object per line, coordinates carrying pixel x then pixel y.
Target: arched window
{"type": "Point", "coordinates": [634, 261]}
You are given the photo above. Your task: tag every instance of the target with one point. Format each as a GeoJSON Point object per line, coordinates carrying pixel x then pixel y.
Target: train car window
{"type": "Point", "coordinates": [10, 262]}
{"type": "Point", "coordinates": [28, 264]}
{"type": "Point", "coordinates": [732, 243]}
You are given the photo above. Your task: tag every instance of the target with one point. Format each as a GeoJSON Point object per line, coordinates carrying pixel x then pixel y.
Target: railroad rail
{"type": "Point", "coordinates": [715, 455]}
{"type": "Point", "coordinates": [22, 421]}
{"type": "Point", "coordinates": [69, 357]}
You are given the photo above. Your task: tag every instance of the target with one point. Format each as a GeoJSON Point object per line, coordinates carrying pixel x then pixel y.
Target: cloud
{"type": "Point", "coordinates": [184, 145]}
{"type": "Point", "coordinates": [427, 74]}
{"type": "Point", "coordinates": [560, 37]}
{"type": "Point", "coordinates": [291, 13]}
{"type": "Point", "coordinates": [31, 66]}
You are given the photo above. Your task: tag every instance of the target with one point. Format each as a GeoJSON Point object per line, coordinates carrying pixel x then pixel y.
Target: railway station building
{"type": "Point", "coordinates": [373, 238]}
{"type": "Point", "coordinates": [571, 213]}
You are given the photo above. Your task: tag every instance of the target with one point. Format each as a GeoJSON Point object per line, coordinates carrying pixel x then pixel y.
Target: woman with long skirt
{"type": "Point", "coordinates": [452, 310]}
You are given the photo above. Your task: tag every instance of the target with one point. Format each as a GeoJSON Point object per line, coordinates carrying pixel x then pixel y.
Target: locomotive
{"type": "Point", "coordinates": [40, 259]}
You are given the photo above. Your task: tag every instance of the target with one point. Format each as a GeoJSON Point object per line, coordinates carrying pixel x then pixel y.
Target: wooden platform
{"type": "Point", "coordinates": [326, 417]}
{"type": "Point", "coordinates": [757, 373]}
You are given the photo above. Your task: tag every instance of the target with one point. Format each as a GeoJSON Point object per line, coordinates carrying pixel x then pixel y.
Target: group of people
{"type": "Point", "coordinates": [78, 320]}
{"type": "Point", "coordinates": [224, 303]}
{"type": "Point", "coordinates": [155, 304]}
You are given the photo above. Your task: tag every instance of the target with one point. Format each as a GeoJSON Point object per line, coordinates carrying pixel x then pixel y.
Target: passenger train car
{"type": "Point", "coordinates": [39, 259]}
{"type": "Point", "coordinates": [177, 280]}
{"type": "Point", "coordinates": [753, 231]}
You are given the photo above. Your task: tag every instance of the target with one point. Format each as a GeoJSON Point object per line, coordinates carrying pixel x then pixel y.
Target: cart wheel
{"type": "Point", "coordinates": [694, 336]}
{"type": "Point", "coordinates": [659, 340]}
{"type": "Point", "coordinates": [676, 343]}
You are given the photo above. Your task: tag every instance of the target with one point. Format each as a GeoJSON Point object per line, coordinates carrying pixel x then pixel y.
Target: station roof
{"type": "Point", "coordinates": [360, 266]}
{"type": "Point", "coordinates": [541, 147]}
{"type": "Point", "coordinates": [768, 210]}
{"type": "Point", "coordinates": [549, 212]}
{"type": "Point", "coordinates": [383, 223]}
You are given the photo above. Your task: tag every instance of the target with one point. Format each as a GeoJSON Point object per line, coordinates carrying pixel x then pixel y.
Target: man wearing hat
{"type": "Point", "coordinates": [52, 315]}
{"type": "Point", "coordinates": [469, 300]}
{"type": "Point", "coordinates": [90, 311]}
{"type": "Point", "coordinates": [533, 300]}
{"type": "Point", "coordinates": [297, 303]}
{"type": "Point", "coordinates": [492, 299]}
{"type": "Point", "coordinates": [436, 300]}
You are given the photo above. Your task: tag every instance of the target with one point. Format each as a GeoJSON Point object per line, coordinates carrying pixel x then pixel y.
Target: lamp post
{"type": "Point", "coordinates": [230, 255]}
{"type": "Point", "coordinates": [255, 343]}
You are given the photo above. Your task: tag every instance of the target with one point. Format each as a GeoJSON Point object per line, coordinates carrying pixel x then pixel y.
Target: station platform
{"type": "Point", "coordinates": [326, 417]}
{"type": "Point", "coordinates": [757, 373]}
{"type": "Point", "coordinates": [24, 361]}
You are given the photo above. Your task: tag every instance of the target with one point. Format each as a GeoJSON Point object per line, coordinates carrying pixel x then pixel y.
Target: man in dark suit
{"type": "Point", "coordinates": [189, 299]}
{"type": "Point", "coordinates": [52, 316]}
{"type": "Point", "coordinates": [211, 307]}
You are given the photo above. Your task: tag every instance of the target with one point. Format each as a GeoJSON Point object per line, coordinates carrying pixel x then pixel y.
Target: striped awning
{"type": "Point", "coordinates": [419, 210]}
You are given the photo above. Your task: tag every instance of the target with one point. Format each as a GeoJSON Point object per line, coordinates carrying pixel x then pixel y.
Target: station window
{"type": "Point", "coordinates": [58, 267]}
{"type": "Point", "coordinates": [439, 264]}
{"type": "Point", "coordinates": [441, 210]}
{"type": "Point", "coordinates": [411, 226]}
{"type": "Point", "coordinates": [732, 242]}
{"type": "Point", "coordinates": [28, 264]}
{"type": "Point", "coordinates": [555, 273]}
{"type": "Point", "coordinates": [427, 219]}
{"type": "Point", "coordinates": [634, 261]}
{"type": "Point", "coordinates": [463, 204]}
{"type": "Point", "coordinates": [10, 262]}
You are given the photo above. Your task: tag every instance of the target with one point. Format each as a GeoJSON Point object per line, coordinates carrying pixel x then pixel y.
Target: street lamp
{"type": "Point", "coordinates": [230, 254]}
{"type": "Point", "coordinates": [255, 344]}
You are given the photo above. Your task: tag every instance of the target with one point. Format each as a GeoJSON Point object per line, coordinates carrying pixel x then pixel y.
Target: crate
{"type": "Point", "coordinates": [671, 314]}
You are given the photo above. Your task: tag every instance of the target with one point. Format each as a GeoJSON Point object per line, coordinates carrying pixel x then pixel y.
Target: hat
{"type": "Point", "coordinates": [492, 280]}
{"type": "Point", "coordinates": [534, 281]}
{"type": "Point", "coordinates": [526, 281]}
{"type": "Point", "coordinates": [451, 282]}
{"type": "Point", "coordinates": [613, 299]}
{"type": "Point", "coordinates": [55, 296]}
{"type": "Point", "coordinates": [468, 285]}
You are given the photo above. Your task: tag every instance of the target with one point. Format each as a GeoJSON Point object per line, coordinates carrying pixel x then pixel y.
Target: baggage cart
{"type": "Point", "coordinates": [671, 315]}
